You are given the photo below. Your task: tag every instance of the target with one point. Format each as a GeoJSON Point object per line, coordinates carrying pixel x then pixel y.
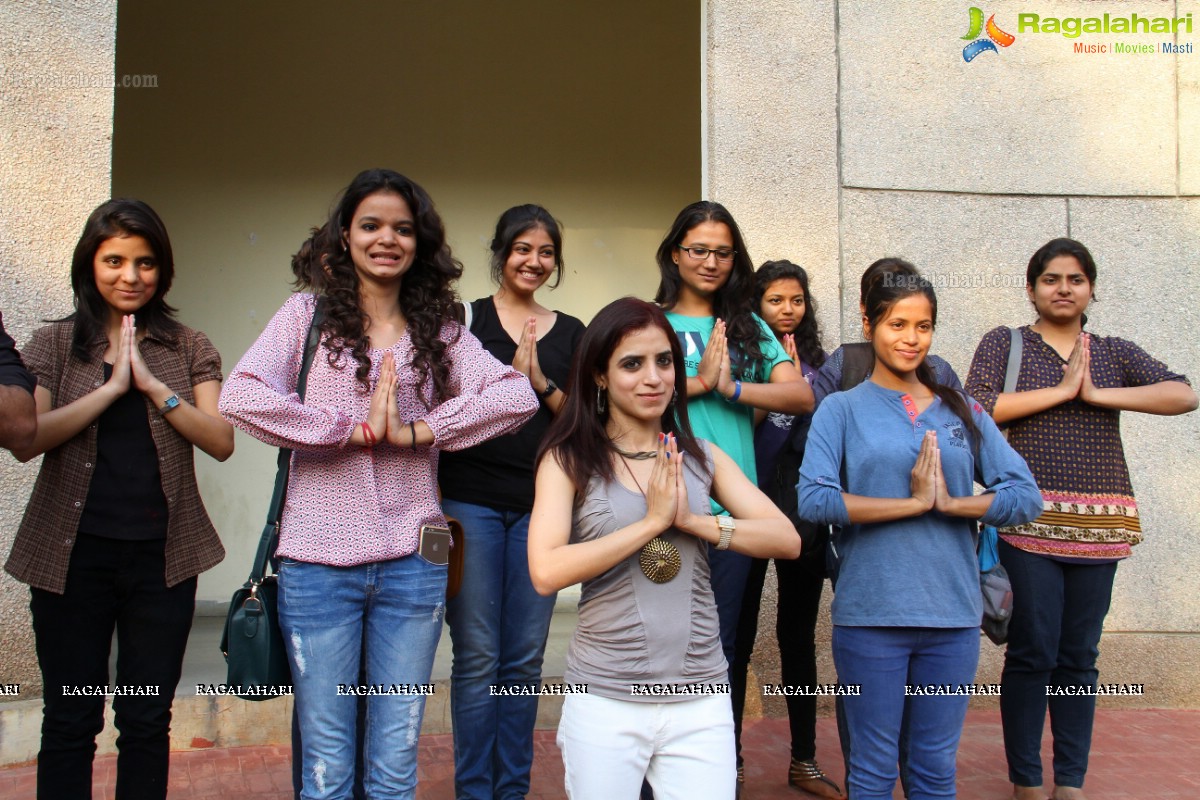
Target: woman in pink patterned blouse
{"type": "Point", "coordinates": [392, 383]}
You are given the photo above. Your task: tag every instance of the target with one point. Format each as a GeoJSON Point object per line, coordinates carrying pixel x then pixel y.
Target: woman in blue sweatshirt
{"type": "Point", "coordinates": [893, 462]}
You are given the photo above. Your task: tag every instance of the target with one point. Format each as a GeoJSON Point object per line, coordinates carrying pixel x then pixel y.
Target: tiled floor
{"type": "Point", "coordinates": [1136, 755]}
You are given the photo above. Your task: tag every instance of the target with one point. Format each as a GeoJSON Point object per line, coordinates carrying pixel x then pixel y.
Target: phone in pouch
{"type": "Point", "coordinates": [435, 544]}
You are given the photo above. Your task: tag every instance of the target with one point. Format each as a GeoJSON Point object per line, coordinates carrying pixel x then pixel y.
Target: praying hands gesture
{"type": "Point", "coordinates": [929, 489]}
{"type": "Point", "coordinates": [526, 359]}
{"type": "Point", "coordinates": [198, 421]}
{"type": "Point", "coordinates": [789, 347]}
{"type": "Point", "coordinates": [666, 491]}
{"type": "Point", "coordinates": [383, 423]}
{"type": "Point", "coordinates": [713, 372]}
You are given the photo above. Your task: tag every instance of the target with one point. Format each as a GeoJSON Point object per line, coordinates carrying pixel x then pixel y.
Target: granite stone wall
{"type": "Point", "coordinates": [841, 132]}
{"type": "Point", "coordinates": [56, 113]}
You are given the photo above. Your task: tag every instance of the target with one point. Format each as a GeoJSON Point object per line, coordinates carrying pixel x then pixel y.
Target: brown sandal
{"type": "Point", "coordinates": [808, 777]}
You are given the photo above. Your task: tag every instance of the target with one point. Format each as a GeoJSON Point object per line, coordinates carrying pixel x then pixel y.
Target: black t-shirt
{"type": "Point", "coordinates": [125, 499]}
{"type": "Point", "coordinates": [12, 369]}
{"type": "Point", "coordinates": [499, 472]}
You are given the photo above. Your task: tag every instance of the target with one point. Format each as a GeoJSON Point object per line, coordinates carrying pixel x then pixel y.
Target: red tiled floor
{"type": "Point", "coordinates": [1136, 755]}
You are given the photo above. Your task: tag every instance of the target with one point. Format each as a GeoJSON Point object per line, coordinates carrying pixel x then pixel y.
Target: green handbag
{"type": "Point", "coordinates": [258, 667]}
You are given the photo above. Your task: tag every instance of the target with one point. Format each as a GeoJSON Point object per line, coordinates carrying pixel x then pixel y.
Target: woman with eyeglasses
{"type": "Point", "coordinates": [734, 363]}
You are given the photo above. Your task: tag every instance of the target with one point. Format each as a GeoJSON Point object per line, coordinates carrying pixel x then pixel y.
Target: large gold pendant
{"type": "Point", "coordinates": [659, 560]}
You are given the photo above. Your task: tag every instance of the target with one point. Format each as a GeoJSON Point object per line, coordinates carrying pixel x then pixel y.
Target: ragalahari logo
{"type": "Point", "coordinates": [995, 36]}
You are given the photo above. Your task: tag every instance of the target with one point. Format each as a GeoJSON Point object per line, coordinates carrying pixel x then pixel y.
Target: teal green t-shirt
{"type": "Point", "coordinates": [728, 425]}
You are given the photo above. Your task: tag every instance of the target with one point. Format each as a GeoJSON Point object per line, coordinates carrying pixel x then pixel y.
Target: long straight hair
{"type": "Point", "coordinates": [881, 298]}
{"type": "Point", "coordinates": [119, 218]}
{"type": "Point", "coordinates": [577, 437]}
{"type": "Point", "coordinates": [733, 302]}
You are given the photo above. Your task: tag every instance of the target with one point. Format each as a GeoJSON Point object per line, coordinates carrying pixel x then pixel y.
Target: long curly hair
{"type": "Point", "coordinates": [427, 296]}
{"type": "Point", "coordinates": [808, 333]}
{"type": "Point", "coordinates": [733, 302]}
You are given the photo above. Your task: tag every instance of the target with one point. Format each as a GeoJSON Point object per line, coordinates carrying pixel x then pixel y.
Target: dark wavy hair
{"type": "Point", "coordinates": [881, 298]}
{"type": "Point", "coordinates": [577, 437]}
{"type": "Point", "coordinates": [516, 221]}
{"type": "Point", "coordinates": [119, 218]}
{"type": "Point", "coordinates": [1062, 247]}
{"type": "Point", "coordinates": [733, 302]}
{"type": "Point", "coordinates": [808, 333]}
{"type": "Point", "coordinates": [427, 297]}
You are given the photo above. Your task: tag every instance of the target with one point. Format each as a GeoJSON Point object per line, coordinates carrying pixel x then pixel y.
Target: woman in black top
{"type": "Point", "coordinates": [115, 533]}
{"type": "Point", "coordinates": [498, 623]}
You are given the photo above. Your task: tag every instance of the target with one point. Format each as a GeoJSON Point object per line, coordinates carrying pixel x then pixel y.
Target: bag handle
{"type": "Point", "coordinates": [270, 535]}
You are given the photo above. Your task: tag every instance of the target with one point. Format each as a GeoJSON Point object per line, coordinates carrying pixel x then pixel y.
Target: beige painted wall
{"type": "Point", "coordinates": [264, 111]}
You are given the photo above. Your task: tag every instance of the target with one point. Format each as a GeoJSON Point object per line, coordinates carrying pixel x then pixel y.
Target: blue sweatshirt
{"type": "Point", "coordinates": [919, 571]}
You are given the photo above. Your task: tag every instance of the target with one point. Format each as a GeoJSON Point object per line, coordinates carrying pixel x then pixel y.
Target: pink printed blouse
{"type": "Point", "coordinates": [349, 505]}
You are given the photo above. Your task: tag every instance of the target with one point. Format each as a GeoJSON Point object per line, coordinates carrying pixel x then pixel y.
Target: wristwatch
{"type": "Point", "coordinates": [551, 388]}
{"type": "Point", "coordinates": [169, 405]}
{"type": "Point", "coordinates": [727, 526]}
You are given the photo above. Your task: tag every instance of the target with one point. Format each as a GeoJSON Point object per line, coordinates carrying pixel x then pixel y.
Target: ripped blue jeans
{"type": "Point", "coordinates": [390, 612]}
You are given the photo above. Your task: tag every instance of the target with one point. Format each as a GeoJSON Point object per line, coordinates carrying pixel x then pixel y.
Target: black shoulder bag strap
{"type": "Point", "coordinates": [270, 535]}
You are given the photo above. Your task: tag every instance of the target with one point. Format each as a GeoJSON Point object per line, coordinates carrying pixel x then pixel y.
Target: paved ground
{"type": "Point", "coordinates": [1136, 755]}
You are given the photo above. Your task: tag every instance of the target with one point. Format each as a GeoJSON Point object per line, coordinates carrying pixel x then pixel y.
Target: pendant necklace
{"type": "Point", "coordinates": [659, 558]}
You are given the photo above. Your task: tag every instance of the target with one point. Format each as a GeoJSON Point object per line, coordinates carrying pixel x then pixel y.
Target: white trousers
{"type": "Point", "coordinates": [684, 750]}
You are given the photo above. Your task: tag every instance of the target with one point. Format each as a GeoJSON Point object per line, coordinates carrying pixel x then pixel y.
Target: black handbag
{"type": "Point", "coordinates": [252, 642]}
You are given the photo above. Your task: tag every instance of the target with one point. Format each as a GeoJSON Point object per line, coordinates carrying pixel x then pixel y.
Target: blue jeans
{"type": "Point", "coordinates": [389, 612]}
{"type": "Point", "coordinates": [1053, 640]}
{"type": "Point", "coordinates": [882, 661]}
{"type": "Point", "coordinates": [498, 625]}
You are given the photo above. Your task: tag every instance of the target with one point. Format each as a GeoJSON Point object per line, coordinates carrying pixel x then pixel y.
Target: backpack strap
{"type": "Point", "coordinates": [857, 360]}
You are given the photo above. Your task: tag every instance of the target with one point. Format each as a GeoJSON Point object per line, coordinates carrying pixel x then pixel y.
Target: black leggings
{"type": "Point", "coordinates": [800, 583]}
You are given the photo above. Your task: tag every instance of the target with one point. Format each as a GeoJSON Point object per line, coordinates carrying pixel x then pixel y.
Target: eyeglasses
{"type": "Point", "coordinates": [702, 253]}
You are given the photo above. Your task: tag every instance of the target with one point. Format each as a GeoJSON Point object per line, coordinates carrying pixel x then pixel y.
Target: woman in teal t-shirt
{"type": "Point", "coordinates": [734, 363]}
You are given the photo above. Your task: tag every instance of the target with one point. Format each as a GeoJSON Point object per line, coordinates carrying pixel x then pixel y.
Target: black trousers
{"type": "Point", "coordinates": [800, 583]}
{"type": "Point", "coordinates": [111, 584]}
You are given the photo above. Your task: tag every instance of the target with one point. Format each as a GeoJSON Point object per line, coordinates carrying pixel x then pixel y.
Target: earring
{"type": "Point", "coordinates": [674, 397]}
{"type": "Point", "coordinates": [601, 401]}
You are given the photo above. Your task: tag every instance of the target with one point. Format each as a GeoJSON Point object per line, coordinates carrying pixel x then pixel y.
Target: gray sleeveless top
{"type": "Point", "coordinates": [633, 631]}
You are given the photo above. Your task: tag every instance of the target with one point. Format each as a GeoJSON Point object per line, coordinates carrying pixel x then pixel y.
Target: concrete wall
{"type": "Point", "coordinates": [56, 101]}
{"type": "Point", "coordinates": [865, 118]}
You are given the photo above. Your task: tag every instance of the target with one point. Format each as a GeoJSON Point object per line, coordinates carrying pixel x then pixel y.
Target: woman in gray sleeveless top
{"type": "Point", "coordinates": [622, 505]}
